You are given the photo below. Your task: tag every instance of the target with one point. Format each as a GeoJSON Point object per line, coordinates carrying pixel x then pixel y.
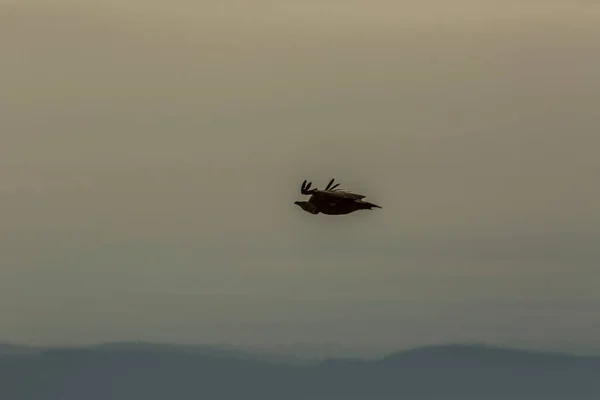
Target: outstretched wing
{"type": "Point", "coordinates": [338, 195]}
{"type": "Point", "coordinates": [305, 188]}
{"type": "Point", "coordinates": [330, 194]}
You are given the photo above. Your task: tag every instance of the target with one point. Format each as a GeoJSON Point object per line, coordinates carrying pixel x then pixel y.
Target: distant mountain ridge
{"type": "Point", "coordinates": [147, 371]}
{"type": "Point", "coordinates": [479, 351]}
{"type": "Point", "coordinates": [216, 351]}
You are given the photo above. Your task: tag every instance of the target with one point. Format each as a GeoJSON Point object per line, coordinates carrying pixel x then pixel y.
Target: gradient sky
{"type": "Point", "coordinates": [151, 152]}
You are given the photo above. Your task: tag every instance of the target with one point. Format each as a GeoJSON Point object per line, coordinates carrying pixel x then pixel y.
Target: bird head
{"type": "Point", "coordinates": [306, 206]}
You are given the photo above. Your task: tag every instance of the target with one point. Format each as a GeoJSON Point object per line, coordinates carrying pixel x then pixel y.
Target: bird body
{"type": "Point", "coordinates": [332, 201]}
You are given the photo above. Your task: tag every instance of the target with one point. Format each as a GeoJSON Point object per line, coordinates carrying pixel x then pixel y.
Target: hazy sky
{"type": "Point", "coordinates": [151, 152]}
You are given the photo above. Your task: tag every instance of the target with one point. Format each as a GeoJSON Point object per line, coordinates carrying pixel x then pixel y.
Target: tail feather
{"type": "Point", "coordinates": [369, 206]}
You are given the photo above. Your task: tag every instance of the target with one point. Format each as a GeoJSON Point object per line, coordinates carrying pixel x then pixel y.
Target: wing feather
{"type": "Point", "coordinates": [338, 195]}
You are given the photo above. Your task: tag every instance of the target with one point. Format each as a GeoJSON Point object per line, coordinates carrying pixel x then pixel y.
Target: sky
{"type": "Point", "coordinates": [152, 151]}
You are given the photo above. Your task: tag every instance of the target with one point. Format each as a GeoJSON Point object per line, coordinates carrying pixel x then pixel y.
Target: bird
{"type": "Point", "coordinates": [332, 201]}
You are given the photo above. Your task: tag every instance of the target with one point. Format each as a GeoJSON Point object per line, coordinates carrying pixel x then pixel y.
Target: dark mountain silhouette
{"type": "Point", "coordinates": [151, 372]}
{"type": "Point", "coordinates": [6, 349]}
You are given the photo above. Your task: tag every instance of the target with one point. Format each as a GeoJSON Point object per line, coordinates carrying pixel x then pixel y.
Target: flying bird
{"type": "Point", "coordinates": [332, 201]}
